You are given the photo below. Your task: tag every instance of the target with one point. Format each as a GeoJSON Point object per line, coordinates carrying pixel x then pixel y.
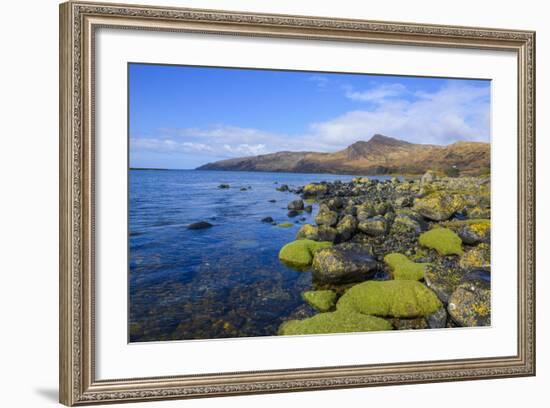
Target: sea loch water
{"type": "Point", "coordinates": [224, 281]}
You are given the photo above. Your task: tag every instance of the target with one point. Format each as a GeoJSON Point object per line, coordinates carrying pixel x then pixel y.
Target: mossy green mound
{"type": "Point", "coordinates": [285, 225]}
{"type": "Point", "coordinates": [395, 298]}
{"type": "Point", "coordinates": [403, 268]}
{"type": "Point", "coordinates": [322, 300]}
{"type": "Point", "coordinates": [300, 253]}
{"type": "Point", "coordinates": [334, 322]}
{"type": "Point", "coordinates": [443, 240]}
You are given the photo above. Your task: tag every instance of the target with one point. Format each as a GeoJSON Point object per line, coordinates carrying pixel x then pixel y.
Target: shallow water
{"type": "Point", "coordinates": [224, 281]}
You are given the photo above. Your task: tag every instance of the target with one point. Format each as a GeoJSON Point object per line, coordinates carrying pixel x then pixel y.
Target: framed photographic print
{"type": "Point", "coordinates": [256, 203]}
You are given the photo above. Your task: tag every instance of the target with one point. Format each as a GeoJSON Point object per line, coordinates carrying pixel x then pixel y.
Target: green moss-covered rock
{"type": "Point", "coordinates": [403, 268]}
{"type": "Point", "coordinates": [477, 258]}
{"type": "Point", "coordinates": [472, 231]}
{"type": "Point", "coordinates": [395, 298]}
{"type": "Point", "coordinates": [343, 263]}
{"type": "Point", "coordinates": [334, 322]}
{"type": "Point", "coordinates": [299, 253]}
{"type": "Point", "coordinates": [322, 300]}
{"type": "Point", "coordinates": [439, 206]}
{"type": "Point", "coordinates": [285, 225]}
{"type": "Point", "coordinates": [315, 189]}
{"type": "Point", "coordinates": [443, 240]}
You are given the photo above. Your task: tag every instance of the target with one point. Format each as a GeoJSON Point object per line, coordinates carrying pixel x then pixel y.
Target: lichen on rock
{"type": "Point", "coordinates": [439, 205]}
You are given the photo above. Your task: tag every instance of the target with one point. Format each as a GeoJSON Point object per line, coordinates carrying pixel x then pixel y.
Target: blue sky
{"type": "Point", "coordinates": [183, 117]}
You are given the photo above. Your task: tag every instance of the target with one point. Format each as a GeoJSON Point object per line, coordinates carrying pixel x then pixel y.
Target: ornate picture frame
{"type": "Point", "coordinates": [78, 24]}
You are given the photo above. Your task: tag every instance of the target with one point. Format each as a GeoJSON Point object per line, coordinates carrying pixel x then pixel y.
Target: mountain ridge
{"type": "Point", "coordinates": [377, 156]}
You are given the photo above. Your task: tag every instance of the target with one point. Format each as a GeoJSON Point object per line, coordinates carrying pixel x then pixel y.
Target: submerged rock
{"type": "Point", "coordinates": [322, 300]}
{"type": "Point", "coordinates": [394, 298]}
{"type": "Point", "coordinates": [343, 263]}
{"type": "Point", "coordinates": [334, 322]}
{"type": "Point", "coordinates": [285, 225]}
{"type": "Point", "coordinates": [282, 187]}
{"type": "Point", "coordinates": [443, 240]}
{"type": "Point", "coordinates": [300, 253]}
{"type": "Point", "coordinates": [439, 206]}
{"type": "Point", "coordinates": [402, 268]}
{"type": "Point", "coordinates": [224, 186]}
{"type": "Point", "coordinates": [199, 225]}
{"type": "Point", "coordinates": [308, 208]}
{"type": "Point", "coordinates": [267, 219]}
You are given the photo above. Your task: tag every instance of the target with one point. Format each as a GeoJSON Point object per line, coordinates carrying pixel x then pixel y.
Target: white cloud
{"type": "Point", "coordinates": [453, 113]}
{"type": "Point", "coordinates": [320, 80]}
{"type": "Point", "coordinates": [376, 94]}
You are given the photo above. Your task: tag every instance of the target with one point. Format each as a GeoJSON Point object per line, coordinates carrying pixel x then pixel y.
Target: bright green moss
{"type": "Point", "coordinates": [285, 225]}
{"type": "Point", "coordinates": [443, 240]}
{"type": "Point", "coordinates": [334, 322]}
{"type": "Point", "coordinates": [322, 300]}
{"type": "Point", "coordinates": [403, 268]}
{"type": "Point", "coordinates": [300, 253]}
{"type": "Point", "coordinates": [396, 298]}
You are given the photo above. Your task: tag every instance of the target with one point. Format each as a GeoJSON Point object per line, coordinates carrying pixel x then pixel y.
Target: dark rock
{"type": "Point", "coordinates": [199, 225]}
{"type": "Point", "coordinates": [326, 216]}
{"type": "Point", "coordinates": [296, 205]}
{"type": "Point", "coordinates": [267, 219]}
{"type": "Point", "coordinates": [308, 208]}
{"type": "Point", "coordinates": [282, 187]}
{"type": "Point", "coordinates": [224, 186]}
{"type": "Point", "coordinates": [272, 201]}
{"type": "Point", "coordinates": [443, 280]}
{"type": "Point", "coordinates": [470, 304]}
{"type": "Point", "coordinates": [437, 320]}
{"type": "Point", "coordinates": [346, 228]}
{"type": "Point", "coordinates": [293, 213]}
{"type": "Point", "coordinates": [343, 263]}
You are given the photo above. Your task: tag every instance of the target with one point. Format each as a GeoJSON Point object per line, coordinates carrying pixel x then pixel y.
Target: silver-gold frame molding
{"type": "Point", "coordinates": [78, 22]}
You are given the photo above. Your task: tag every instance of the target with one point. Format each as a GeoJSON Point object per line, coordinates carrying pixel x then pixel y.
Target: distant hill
{"type": "Point", "coordinates": [380, 155]}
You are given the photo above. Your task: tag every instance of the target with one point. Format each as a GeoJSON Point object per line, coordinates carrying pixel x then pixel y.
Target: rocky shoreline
{"type": "Point", "coordinates": [395, 254]}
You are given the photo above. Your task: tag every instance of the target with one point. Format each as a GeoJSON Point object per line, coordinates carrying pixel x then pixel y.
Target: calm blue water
{"type": "Point", "coordinates": [225, 281]}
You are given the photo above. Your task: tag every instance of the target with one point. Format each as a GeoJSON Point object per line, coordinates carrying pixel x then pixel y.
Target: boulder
{"type": "Point", "coordinates": [374, 226]}
{"type": "Point", "coordinates": [314, 190]}
{"type": "Point", "coordinates": [472, 231]}
{"type": "Point", "coordinates": [343, 263]}
{"type": "Point", "coordinates": [470, 304]}
{"type": "Point", "coordinates": [393, 298]}
{"type": "Point", "coordinates": [282, 187]}
{"type": "Point", "coordinates": [438, 319]}
{"type": "Point", "coordinates": [334, 322]}
{"type": "Point", "coordinates": [478, 257]}
{"type": "Point", "coordinates": [300, 253]}
{"type": "Point", "coordinates": [296, 205]}
{"type": "Point", "coordinates": [443, 240]}
{"type": "Point", "coordinates": [326, 216]}
{"type": "Point", "coordinates": [267, 219]}
{"type": "Point", "coordinates": [405, 225]}
{"type": "Point", "coordinates": [346, 228]}
{"type": "Point", "coordinates": [317, 233]}
{"type": "Point", "coordinates": [443, 280]}
{"type": "Point", "coordinates": [439, 206]}
{"type": "Point", "coordinates": [293, 213]}
{"type": "Point", "coordinates": [402, 268]}
{"type": "Point", "coordinates": [322, 300]}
